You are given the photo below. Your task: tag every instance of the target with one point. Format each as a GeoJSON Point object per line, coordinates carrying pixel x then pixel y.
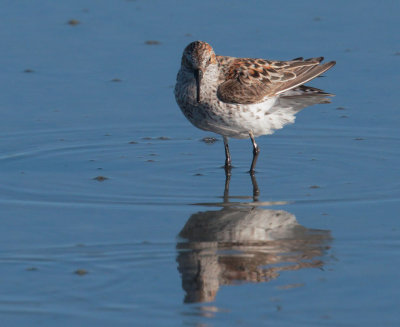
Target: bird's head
{"type": "Point", "coordinates": [196, 58]}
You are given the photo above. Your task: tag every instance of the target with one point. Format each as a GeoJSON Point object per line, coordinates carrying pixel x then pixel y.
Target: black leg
{"type": "Point", "coordinates": [228, 161]}
{"type": "Point", "coordinates": [256, 152]}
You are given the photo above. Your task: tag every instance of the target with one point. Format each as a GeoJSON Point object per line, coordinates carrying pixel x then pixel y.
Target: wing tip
{"type": "Point", "coordinates": [315, 71]}
{"type": "Point", "coordinates": [328, 65]}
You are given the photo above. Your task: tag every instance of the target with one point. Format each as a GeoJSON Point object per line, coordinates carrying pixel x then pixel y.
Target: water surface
{"type": "Point", "coordinates": [115, 212]}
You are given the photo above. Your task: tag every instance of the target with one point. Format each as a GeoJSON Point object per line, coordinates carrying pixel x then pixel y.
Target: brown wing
{"type": "Point", "coordinates": [246, 80]}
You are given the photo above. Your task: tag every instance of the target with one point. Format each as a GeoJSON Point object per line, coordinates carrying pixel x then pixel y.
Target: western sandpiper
{"type": "Point", "coordinates": [237, 97]}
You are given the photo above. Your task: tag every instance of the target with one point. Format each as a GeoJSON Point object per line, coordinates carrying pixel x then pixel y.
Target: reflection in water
{"type": "Point", "coordinates": [243, 242]}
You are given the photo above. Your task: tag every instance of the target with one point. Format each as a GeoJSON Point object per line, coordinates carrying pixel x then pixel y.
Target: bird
{"type": "Point", "coordinates": [236, 97]}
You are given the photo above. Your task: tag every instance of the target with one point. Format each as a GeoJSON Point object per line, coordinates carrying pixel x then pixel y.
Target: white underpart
{"type": "Point", "coordinates": [228, 119]}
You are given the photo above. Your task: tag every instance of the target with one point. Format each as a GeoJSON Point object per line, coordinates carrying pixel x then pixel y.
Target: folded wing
{"type": "Point", "coordinates": [247, 81]}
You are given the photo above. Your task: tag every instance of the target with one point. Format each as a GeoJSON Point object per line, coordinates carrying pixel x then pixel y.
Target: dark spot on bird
{"type": "Point", "coordinates": [247, 64]}
{"type": "Point", "coordinates": [256, 66]}
{"type": "Point", "coordinates": [278, 64]}
{"type": "Point", "coordinates": [255, 73]}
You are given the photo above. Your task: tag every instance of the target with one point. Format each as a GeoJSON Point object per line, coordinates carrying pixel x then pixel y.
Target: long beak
{"type": "Point", "coordinates": [198, 74]}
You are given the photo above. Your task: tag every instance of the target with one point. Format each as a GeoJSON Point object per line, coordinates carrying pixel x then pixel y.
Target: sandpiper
{"type": "Point", "coordinates": [236, 97]}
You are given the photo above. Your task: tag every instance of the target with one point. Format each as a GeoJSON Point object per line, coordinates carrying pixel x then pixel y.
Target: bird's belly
{"type": "Point", "coordinates": [231, 120]}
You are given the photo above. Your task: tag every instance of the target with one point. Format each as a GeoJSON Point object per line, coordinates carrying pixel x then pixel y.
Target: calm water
{"type": "Point", "coordinates": [114, 212]}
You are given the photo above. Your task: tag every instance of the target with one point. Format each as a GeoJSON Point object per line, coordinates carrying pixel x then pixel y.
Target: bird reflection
{"type": "Point", "coordinates": [243, 242]}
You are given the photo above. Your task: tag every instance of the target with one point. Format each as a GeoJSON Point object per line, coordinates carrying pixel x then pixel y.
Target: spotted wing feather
{"type": "Point", "coordinates": [247, 81]}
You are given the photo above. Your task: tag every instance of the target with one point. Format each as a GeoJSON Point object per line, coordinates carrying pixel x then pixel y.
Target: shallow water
{"type": "Point", "coordinates": [115, 212]}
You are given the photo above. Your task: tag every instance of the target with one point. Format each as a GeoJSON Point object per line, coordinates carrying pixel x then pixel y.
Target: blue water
{"type": "Point", "coordinates": [159, 239]}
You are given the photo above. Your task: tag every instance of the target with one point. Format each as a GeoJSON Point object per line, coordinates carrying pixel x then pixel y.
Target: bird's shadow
{"type": "Point", "coordinates": [243, 242]}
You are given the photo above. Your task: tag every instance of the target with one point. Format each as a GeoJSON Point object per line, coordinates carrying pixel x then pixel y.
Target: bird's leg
{"type": "Point", "coordinates": [228, 161]}
{"type": "Point", "coordinates": [256, 152]}
{"type": "Point", "coordinates": [228, 168]}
